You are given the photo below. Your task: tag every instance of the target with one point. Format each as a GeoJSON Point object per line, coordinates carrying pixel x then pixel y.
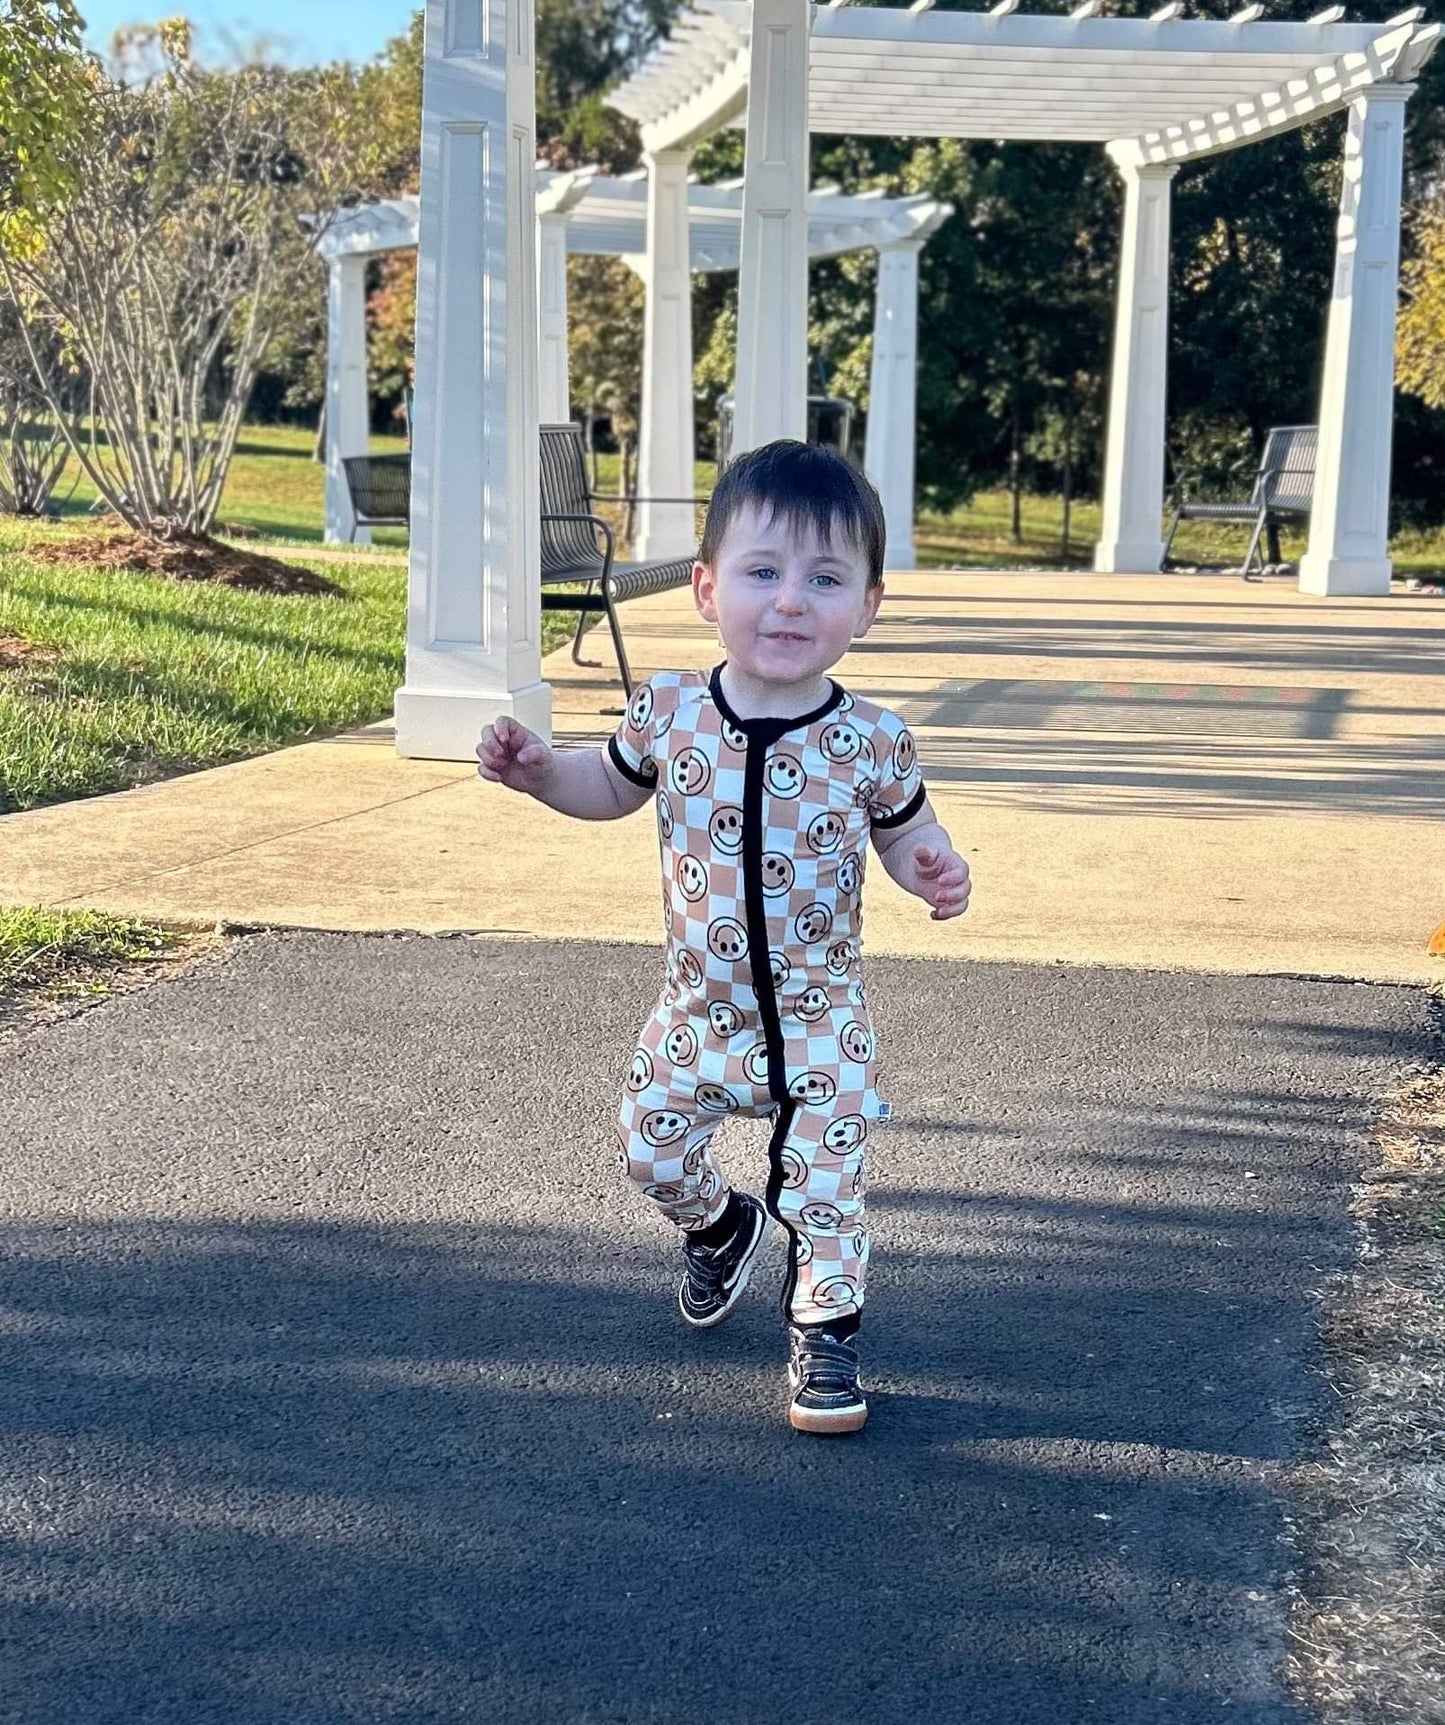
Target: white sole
{"type": "Point", "coordinates": [739, 1287]}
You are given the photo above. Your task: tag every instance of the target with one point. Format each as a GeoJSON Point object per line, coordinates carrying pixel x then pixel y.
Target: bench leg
{"type": "Point", "coordinates": [1271, 539]}
{"type": "Point", "coordinates": [1173, 529]}
{"type": "Point", "coordinates": [616, 628]}
{"type": "Point", "coordinates": [1253, 549]}
{"type": "Point", "coordinates": [577, 634]}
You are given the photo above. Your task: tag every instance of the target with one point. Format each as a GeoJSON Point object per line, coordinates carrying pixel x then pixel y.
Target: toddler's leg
{"type": "Point", "coordinates": [816, 1191]}
{"type": "Point", "coordinates": [667, 1154]}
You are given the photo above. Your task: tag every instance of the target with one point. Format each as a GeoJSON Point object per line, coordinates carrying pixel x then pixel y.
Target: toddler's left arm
{"type": "Point", "coordinates": [920, 857]}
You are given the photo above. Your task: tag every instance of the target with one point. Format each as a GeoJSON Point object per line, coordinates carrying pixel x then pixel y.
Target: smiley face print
{"type": "Point", "coordinates": [664, 815]}
{"type": "Point", "coordinates": [690, 772]}
{"type": "Point", "coordinates": [811, 1004]}
{"type": "Point", "coordinates": [850, 874]}
{"type": "Point", "coordinates": [812, 923]}
{"type": "Point", "coordinates": [715, 1099]}
{"type": "Point", "coordinates": [755, 1064]}
{"type": "Point", "coordinates": [680, 1045]}
{"type": "Point", "coordinates": [727, 939]}
{"type": "Point", "coordinates": [825, 832]}
{"type": "Point", "coordinates": [784, 776]}
{"type": "Point", "coordinates": [663, 1126]}
{"type": "Point", "coordinates": [691, 878]}
{"type": "Point", "coordinates": [856, 1042]}
{"type": "Point", "coordinates": [781, 966]}
{"type": "Point", "coordinates": [777, 873]}
{"type": "Point", "coordinates": [820, 1216]}
{"type": "Point", "coordinates": [842, 743]}
{"type": "Point", "coordinates": [725, 829]}
{"type": "Point", "coordinates": [813, 1088]}
{"type": "Point", "coordinates": [795, 1170]}
{"type": "Point", "coordinates": [689, 967]}
{"type": "Point", "coordinates": [840, 957]}
{"type": "Point", "coordinates": [639, 1074]}
{"type": "Point", "coordinates": [724, 1019]}
{"type": "Point", "coordinates": [639, 708]}
{"type": "Point", "coordinates": [845, 1134]}
{"type": "Point", "coordinates": [836, 1291]}
{"type": "Point", "coordinates": [905, 754]}
{"type": "Point", "coordinates": [735, 739]}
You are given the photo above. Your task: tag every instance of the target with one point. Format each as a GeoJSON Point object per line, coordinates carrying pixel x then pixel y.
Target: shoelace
{"type": "Point", "coordinates": [705, 1264]}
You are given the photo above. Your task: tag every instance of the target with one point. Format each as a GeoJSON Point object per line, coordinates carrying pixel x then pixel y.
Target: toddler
{"type": "Point", "coordinates": [770, 780]}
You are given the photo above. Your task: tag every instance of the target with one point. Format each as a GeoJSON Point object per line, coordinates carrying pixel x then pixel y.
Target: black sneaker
{"type": "Point", "coordinates": [823, 1373]}
{"type": "Point", "coordinates": [717, 1275]}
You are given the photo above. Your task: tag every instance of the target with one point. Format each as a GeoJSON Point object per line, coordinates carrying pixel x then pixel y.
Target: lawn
{"type": "Point", "coordinates": [109, 679]}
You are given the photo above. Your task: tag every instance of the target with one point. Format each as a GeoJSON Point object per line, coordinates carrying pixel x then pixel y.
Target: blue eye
{"type": "Point", "coordinates": [832, 580]}
{"type": "Point", "coordinates": [764, 571]}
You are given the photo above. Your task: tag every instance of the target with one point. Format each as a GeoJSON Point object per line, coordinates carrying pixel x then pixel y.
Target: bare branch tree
{"type": "Point", "coordinates": [166, 265]}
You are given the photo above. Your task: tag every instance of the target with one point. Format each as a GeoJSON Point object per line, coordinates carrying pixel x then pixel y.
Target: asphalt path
{"type": "Point", "coordinates": [340, 1378]}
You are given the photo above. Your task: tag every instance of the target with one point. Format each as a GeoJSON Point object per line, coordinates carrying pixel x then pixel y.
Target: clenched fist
{"type": "Point", "coordinates": [511, 755]}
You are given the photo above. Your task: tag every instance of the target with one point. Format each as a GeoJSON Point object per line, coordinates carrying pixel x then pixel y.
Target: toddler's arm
{"type": "Point", "coordinates": [920, 857]}
{"type": "Point", "coordinates": [580, 782]}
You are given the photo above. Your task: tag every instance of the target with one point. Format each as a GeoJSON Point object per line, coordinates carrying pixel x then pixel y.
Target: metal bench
{"type": "Point", "coordinates": [577, 545]}
{"type": "Point", "coordinates": [1283, 492]}
{"type": "Point", "coordinates": [380, 488]}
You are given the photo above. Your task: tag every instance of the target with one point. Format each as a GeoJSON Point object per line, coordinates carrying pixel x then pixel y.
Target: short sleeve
{"type": "Point", "coordinates": [630, 748]}
{"type": "Point", "coordinates": [900, 793]}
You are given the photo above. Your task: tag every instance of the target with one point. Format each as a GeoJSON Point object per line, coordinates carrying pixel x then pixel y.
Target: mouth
{"type": "Point", "coordinates": [789, 637]}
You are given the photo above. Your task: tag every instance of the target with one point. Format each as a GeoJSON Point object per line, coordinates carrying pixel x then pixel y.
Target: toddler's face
{"type": "Point", "coordinates": [786, 604]}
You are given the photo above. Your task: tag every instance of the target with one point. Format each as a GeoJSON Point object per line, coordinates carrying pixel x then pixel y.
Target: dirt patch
{"type": "Point", "coordinates": [82, 983]}
{"type": "Point", "coordinates": [16, 652]}
{"type": "Point", "coordinates": [187, 557]}
{"type": "Point", "coordinates": [1367, 1610]}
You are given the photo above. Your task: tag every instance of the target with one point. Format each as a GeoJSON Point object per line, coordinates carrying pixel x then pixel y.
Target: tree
{"type": "Point", "coordinates": [1421, 349]}
{"type": "Point", "coordinates": [164, 267]}
{"type": "Point", "coordinates": [604, 349]}
{"type": "Point", "coordinates": [43, 79]}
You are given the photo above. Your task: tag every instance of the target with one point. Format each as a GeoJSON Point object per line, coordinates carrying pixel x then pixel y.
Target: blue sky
{"type": "Point", "coordinates": [305, 30]}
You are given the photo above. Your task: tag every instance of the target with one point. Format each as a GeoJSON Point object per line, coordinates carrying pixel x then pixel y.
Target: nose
{"type": "Point", "coordinates": [789, 600]}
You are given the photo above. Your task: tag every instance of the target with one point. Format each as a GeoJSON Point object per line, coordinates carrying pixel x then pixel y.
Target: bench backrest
{"type": "Point", "coordinates": [565, 545]}
{"type": "Point", "coordinates": [380, 487]}
{"type": "Point", "coordinates": [1287, 473]}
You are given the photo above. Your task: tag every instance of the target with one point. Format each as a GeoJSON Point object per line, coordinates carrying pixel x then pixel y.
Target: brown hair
{"type": "Point", "coordinates": [807, 487]}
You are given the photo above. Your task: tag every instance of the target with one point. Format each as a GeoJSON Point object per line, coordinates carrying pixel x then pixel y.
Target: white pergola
{"type": "Point", "coordinates": [1157, 93]}
{"type": "Point", "coordinates": [593, 214]}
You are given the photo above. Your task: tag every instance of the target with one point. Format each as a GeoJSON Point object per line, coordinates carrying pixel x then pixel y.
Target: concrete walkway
{"type": "Point", "coordinates": [1149, 771]}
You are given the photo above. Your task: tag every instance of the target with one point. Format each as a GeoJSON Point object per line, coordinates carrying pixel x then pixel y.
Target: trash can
{"type": "Point", "coordinates": [830, 423]}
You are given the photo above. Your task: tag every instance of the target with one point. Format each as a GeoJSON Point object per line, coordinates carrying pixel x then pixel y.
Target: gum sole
{"type": "Point", "coordinates": [827, 1425]}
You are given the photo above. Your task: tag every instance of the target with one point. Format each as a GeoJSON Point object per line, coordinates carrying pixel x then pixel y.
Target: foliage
{"type": "Point", "coordinates": [604, 344]}
{"type": "Point", "coordinates": [1421, 356]}
{"type": "Point", "coordinates": [33, 449]}
{"type": "Point", "coordinates": [164, 269]}
{"type": "Point", "coordinates": [43, 79]}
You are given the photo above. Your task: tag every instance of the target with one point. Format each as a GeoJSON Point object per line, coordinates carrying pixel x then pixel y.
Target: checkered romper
{"type": "Point", "coordinates": [764, 827]}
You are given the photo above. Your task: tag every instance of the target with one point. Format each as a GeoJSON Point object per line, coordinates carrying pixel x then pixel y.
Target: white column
{"type": "Point", "coordinates": [473, 618]}
{"type": "Point", "coordinates": [893, 395]}
{"type": "Point", "coordinates": [771, 386]}
{"type": "Point", "coordinates": [554, 397]}
{"type": "Point", "coordinates": [666, 454]}
{"type": "Point", "coordinates": [1131, 538]}
{"type": "Point", "coordinates": [348, 405]}
{"type": "Point", "coordinates": [1349, 523]}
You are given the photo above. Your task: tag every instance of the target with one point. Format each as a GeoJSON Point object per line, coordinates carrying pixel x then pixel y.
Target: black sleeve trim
{"type": "Point", "coordinates": [907, 812]}
{"type": "Point", "coordinates": [641, 780]}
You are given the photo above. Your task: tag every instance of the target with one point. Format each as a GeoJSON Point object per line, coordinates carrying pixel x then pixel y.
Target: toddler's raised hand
{"type": "Point", "coordinates": [942, 877]}
{"type": "Point", "coordinates": [511, 755]}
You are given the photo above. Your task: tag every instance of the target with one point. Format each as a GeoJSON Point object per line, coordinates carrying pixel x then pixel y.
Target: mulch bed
{"type": "Point", "coordinates": [187, 557]}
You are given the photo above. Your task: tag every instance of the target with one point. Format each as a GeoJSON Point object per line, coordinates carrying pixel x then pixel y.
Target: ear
{"type": "Point", "coordinates": [704, 592]}
{"type": "Point", "coordinates": [872, 600]}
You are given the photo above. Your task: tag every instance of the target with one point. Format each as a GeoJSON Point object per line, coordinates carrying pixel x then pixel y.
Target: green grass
{"type": "Point", "coordinates": [42, 950]}
{"type": "Point", "coordinates": [154, 677]}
